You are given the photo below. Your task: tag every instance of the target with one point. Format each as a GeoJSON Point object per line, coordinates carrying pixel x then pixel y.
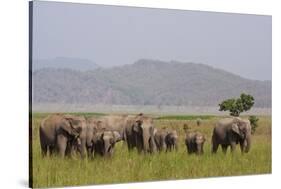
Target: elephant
{"type": "Point", "coordinates": [159, 138]}
{"type": "Point", "coordinates": [98, 138]}
{"type": "Point", "coordinates": [171, 140]}
{"type": "Point", "coordinates": [104, 142]}
{"type": "Point", "coordinates": [114, 123]}
{"type": "Point", "coordinates": [194, 142]}
{"type": "Point", "coordinates": [58, 132]}
{"type": "Point", "coordinates": [139, 133]}
{"type": "Point", "coordinates": [93, 126]}
{"type": "Point", "coordinates": [231, 131]}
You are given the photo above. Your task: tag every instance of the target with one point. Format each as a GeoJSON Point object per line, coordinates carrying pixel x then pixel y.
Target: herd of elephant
{"type": "Point", "coordinates": [67, 134]}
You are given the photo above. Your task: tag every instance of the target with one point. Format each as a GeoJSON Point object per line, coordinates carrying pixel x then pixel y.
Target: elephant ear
{"type": "Point", "coordinates": [75, 126]}
{"type": "Point", "coordinates": [66, 127]}
{"type": "Point", "coordinates": [117, 136]}
{"type": "Point", "coordinates": [235, 128]}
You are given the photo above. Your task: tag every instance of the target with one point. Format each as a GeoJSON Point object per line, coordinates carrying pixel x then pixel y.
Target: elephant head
{"type": "Point", "coordinates": [199, 140]}
{"type": "Point", "coordinates": [144, 133]}
{"type": "Point", "coordinates": [243, 129]}
{"type": "Point", "coordinates": [73, 125]}
{"type": "Point", "coordinates": [105, 142]}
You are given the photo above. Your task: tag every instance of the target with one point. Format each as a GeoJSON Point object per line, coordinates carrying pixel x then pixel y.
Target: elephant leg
{"type": "Point", "coordinates": [189, 148]}
{"type": "Point", "coordinates": [68, 150]}
{"type": "Point", "coordinates": [52, 150]}
{"type": "Point", "coordinates": [130, 143]}
{"type": "Point", "coordinates": [224, 148]}
{"type": "Point", "coordinates": [164, 147]}
{"type": "Point", "coordinates": [129, 146]}
{"type": "Point", "coordinates": [82, 148]}
{"type": "Point", "coordinates": [169, 148]}
{"type": "Point", "coordinates": [44, 150]}
{"type": "Point", "coordinates": [93, 152]}
{"type": "Point", "coordinates": [61, 145]}
{"type": "Point", "coordinates": [90, 152]}
{"type": "Point", "coordinates": [242, 146]}
{"type": "Point", "coordinates": [215, 147]}
{"type": "Point", "coordinates": [152, 145]}
{"type": "Point", "coordinates": [233, 146]}
{"type": "Point", "coordinates": [176, 147]}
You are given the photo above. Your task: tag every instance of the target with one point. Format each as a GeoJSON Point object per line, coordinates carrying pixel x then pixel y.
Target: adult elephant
{"type": "Point", "coordinates": [58, 132]}
{"type": "Point", "coordinates": [231, 131]}
{"type": "Point", "coordinates": [139, 133]}
{"type": "Point", "coordinates": [114, 123]}
{"type": "Point", "coordinates": [93, 125]}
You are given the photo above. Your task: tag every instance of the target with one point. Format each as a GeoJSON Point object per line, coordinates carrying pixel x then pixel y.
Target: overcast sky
{"type": "Point", "coordinates": [111, 35]}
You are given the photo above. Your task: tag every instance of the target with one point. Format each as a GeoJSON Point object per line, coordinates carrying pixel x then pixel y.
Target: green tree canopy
{"type": "Point", "coordinates": [237, 106]}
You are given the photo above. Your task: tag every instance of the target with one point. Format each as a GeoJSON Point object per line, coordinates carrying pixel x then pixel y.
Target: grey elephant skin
{"type": "Point", "coordinates": [58, 132]}
{"type": "Point", "coordinates": [171, 140]}
{"type": "Point", "coordinates": [230, 132]}
{"type": "Point", "coordinates": [100, 137]}
{"type": "Point", "coordinates": [114, 123]}
{"type": "Point", "coordinates": [104, 142]}
{"type": "Point", "coordinates": [139, 133]}
{"type": "Point", "coordinates": [93, 125]}
{"type": "Point", "coordinates": [194, 142]}
{"type": "Point", "coordinates": [159, 138]}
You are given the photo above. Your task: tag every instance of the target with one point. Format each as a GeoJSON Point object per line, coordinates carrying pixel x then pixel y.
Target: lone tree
{"type": "Point", "coordinates": [254, 123]}
{"type": "Point", "coordinates": [237, 106]}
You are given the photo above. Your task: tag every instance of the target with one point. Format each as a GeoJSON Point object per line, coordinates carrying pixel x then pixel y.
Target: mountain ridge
{"type": "Point", "coordinates": [79, 64]}
{"type": "Point", "coordinates": [147, 82]}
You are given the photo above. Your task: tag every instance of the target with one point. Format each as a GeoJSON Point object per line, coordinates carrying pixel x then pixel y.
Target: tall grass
{"type": "Point", "coordinates": [127, 166]}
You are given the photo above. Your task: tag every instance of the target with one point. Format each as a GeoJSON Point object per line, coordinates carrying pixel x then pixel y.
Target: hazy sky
{"type": "Point", "coordinates": [111, 35]}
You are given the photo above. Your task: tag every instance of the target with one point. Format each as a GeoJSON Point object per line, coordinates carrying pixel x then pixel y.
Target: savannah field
{"type": "Point", "coordinates": [126, 167]}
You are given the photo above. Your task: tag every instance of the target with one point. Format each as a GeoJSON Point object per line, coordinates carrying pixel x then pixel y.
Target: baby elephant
{"type": "Point", "coordinates": [171, 140]}
{"type": "Point", "coordinates": [194, 142]}
{"type": "Point", "coordinates": [104, 142]}
{"type": "Point", "coordinates": [159, 138]}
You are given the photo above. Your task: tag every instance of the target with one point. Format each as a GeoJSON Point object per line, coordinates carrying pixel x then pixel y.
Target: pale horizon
{"type": "Point", "coordinates": [118, 35]}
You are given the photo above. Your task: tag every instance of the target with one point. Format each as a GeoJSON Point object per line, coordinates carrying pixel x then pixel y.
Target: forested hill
{"type": "Point", "coordinates": [146, 82]}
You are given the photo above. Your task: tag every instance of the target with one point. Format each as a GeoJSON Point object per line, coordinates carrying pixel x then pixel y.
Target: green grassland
{"type": "Point", "coordinates": [131, 167]}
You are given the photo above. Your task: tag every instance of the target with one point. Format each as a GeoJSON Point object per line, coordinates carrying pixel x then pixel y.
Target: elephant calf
{"type": "Point", "coordinates": [194, 142]}
{"type": "Point", "coordinates": [171, 140]}
{"type": "Point", "coordinates": [159, 138]}
{"type": "Point", "coordinates": [166, 140]}
{"type": "Point", "coordinates": [104, 142]}
{"type": "Point", "coordinates": [100, 139]}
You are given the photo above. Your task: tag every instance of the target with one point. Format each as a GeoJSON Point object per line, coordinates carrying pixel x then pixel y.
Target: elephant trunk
{"type": "Point", "coordinates": [199, 149]}
{"type": "Point", "coordinates": [146, 138]}
{"type": "Point", "coordinates": [176, 145]}
{"type": "Point", "coordinates": [107, 148]}
{"type": "Point", "coordinates": [81, 147]}
{"type": "Point", "coordinates": [248, 140]}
